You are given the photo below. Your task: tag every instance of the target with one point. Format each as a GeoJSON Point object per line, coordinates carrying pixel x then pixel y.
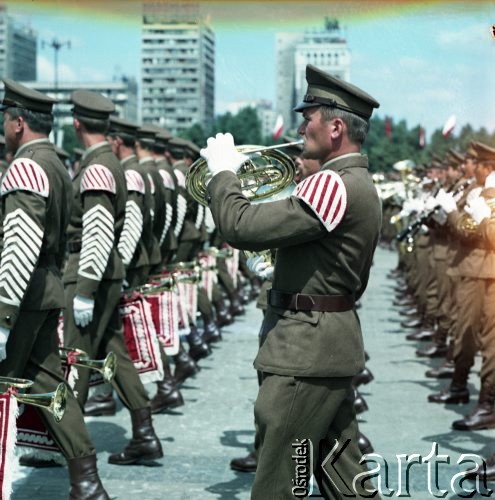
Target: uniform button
{"type": "Point", "coordinates": [8, 320]}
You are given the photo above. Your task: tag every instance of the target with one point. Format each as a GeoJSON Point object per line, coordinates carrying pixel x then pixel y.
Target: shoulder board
{"type": "Point", "coordinates": [181, 179]}
{"type": "Point", "coordinates": [168, 182]}
{"type": "Point", "coordinates": [134, 181]}
{"type": "Point", "coordinates": [325, 193]}
{"type": "Point", "coordinates": [24, 174]}
{"type": "Point", "coordinates": [98, 178]}
{"type": "Point", "coordinates": [152, 184]}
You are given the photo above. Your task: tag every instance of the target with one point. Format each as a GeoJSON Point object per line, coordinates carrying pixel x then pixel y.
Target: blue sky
{"type": "Point", "coordinates": [421, 64]}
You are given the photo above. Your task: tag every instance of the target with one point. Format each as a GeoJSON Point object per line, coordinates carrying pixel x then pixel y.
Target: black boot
{"type": "Point", "coordinates": [362, 378]}
{"type": "Point", "coordinates": [224, 317]}
{"type": "Point", "coordinates": [211, 333]}
{"type": "Point", "coordinates": [85, 483]}
{"type": "Point", "coordinates": [185, 366]}
{"type": "Point", "coordinates": [236, 308]}
{"type": "Point", "coordinates": [364, 444]}
{"type": "Point", "coordinates": [483, 416]}
{"type": "Point", "coordinates": [446, 370]}
{"type": "Point", "coordinates": [100, 405]}
{"type": "Point", "coordinates": [144, 445]}
{"type": "Point", "coordinates": [248, 463]}
{"type": "Point", "coordinates": [360, 404]}
{"type": "Point", "coordinates": [198, 349]}
{"type": "Point", "coordinates": [167, 395]}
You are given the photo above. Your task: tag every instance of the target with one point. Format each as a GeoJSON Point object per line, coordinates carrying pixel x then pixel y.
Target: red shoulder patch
{"type": "Point", "coordinates": [325, 193]}
{"type": "Point", "coordinates": [134, 181]}
{"type": "Point", "coordinates": [24, 174]}
{"type": "Point", "coordinates": [98, 178]}
{"type": "Point", "coordinates": [168, 182]}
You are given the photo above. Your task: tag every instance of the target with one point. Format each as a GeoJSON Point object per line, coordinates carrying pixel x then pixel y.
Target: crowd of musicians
{"type": "Point", "coordinates": [446, 274]}
{"type": "Point", "coordinates": [84, 233]}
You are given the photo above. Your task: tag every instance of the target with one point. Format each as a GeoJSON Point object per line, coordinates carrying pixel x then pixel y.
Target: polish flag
{"type": "Point", "coordinates": [279, 127]}
{"type": "Point", "coordinates": [449, 126]}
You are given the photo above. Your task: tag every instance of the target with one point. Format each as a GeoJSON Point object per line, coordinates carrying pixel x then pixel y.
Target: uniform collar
{"type": "Point", "coordinates": [146, 159]}
{"type": "Point", "coordinates": [127, 159]}
{"type": "Point", "coordinates": [31, 143]}
{"type": "Point", "coordinates": [346, 161]}
{"type": "Point", "coordinates": [92, 148]}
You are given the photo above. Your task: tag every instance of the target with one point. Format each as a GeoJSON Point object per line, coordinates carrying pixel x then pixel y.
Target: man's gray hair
{"type": "Point", "coordinates": [357, 127]}
{"type": "Point", "coordinates": [40, 123]}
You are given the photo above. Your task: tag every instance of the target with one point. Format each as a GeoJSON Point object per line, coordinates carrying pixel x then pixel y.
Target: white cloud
{"type": "Point", "coordinates": [471, 35]}
{"type": "Point", "coordinates": [46, 71]}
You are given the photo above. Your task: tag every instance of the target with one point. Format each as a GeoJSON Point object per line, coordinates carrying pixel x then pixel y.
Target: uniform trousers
{"type": "Point", "coordinates": [32, 353]}
{"type": "Point", "coordinates": [102, 335]}
{"type": "Point", "coordinates": [290, 409]}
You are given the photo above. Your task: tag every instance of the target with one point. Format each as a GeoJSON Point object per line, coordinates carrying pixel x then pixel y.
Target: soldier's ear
{"type": "Point", "coordinates": [76, 123]}
{"type": "Point", "coordinates": [337, 127]}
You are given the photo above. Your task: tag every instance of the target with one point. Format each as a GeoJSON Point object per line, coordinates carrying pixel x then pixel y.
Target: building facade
{"type": "Point", "coordinates": [326, 48]}
{"type": "Point", "coordinates": [123, 93]}
{"type": "Point", "coordinates": [18, 49]}
{"type": "Point", "coordinates": [264, 110]}
{"type": "Point", "coordinates": [177, 67]}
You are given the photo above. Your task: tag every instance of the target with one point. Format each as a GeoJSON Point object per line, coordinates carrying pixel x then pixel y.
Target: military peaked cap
{"type": "Point", "coordinates": [327, 90]}
{"type": "Point", "coordinates": [19, 96]}
{"type": "Point", "coordinates": [91, 105]}
{"type": "Point", "coordinates": [118, 125]}
{"type": "Point", "coordinates": [455, 156]}
{"type": "Point", "coordinates": [483, 152]}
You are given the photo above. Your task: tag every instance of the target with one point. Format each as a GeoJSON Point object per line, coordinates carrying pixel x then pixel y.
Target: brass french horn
{"type": "Point", "coordinates": [468, 224]}
{"type": "Point", "coordinates": [267, 172]}
{"type": "Point", "coordinates": [54, 402]}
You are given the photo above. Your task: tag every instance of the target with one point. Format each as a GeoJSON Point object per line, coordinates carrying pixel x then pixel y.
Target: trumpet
{"type": "Point", "coordinates": [107, 367]}
{"type": "Point", "coordinates": [54, 402]}
{"type": "Point", "coordinates": [267, 173]}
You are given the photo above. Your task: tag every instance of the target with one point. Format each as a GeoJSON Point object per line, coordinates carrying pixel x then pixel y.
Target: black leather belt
{"type": "Point", "coordinates": [75, 246]}
{"type": "Point", "coordinates": [307, 302]}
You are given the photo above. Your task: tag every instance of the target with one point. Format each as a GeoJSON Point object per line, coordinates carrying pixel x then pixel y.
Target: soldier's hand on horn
{"type": "Point", "coordinates": [4, 335]}
{"type": "Point", "coordinates": [221, 154]}
{"type": "Point", "coordinates": [83, 310]}
{"type": "Point", "coordinates": [478, 209]}
{"type": "Point", "coordinates": [260, 267]}
{"type": "Point", "coordinates": [446, 201]}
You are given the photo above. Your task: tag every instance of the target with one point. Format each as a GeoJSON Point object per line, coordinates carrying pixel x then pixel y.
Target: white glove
{"type": "Point", "coordinates": [478, 209]}
{"type": "Point", "coordinates": [83, 310]}
{"type": "Point", "coordinates": [221, 154]}
{"type": "Point", "coordinates": [431, 203]}
{"type": "Point", "coordinates": [446, 201]}
{"type": "Point", "coordinates": [4, 336]}
{"type": "Point", "coordinates": [417, 205]}
{"type": "Point", "coordinates": [259, 267]}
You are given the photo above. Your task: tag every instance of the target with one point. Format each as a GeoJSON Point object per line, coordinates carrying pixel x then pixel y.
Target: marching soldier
{"type": "Point", "coordinates": [36, 206]}
{"type": "Point", "coordinates": [312, 339]}
{"type": "Point", "coordinates": [94, 273]}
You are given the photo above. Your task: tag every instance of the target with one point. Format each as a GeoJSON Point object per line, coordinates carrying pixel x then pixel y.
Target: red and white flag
{"type": "Point", "coordinates": [421, 140]}
{"type": "Point", "coordinates": [449, 125]}
{"type": "Point", "coordinates": [279, 127]}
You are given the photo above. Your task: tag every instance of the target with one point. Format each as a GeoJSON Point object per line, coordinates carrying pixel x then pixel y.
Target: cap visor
{"type": "Point", "coordinates": [304, 105]}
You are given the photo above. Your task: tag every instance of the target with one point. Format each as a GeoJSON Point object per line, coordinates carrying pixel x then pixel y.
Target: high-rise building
{"type": "Point", "coordinates": [18, 44]}
{"type": "Point", "coordinates": [326, 49]}
{"type": "Point", "coordinates": [177, 73]}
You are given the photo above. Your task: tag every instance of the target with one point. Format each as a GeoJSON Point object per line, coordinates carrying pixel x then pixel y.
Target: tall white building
{"type": "Point", "coordinates": [18, 44]}
{"type": "Point", "coordinates": [326, 48]}
{"type": "Point", "coordinates": [177, 73]}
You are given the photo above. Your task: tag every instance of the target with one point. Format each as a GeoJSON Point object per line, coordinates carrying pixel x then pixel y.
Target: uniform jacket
{"type": "Point", "coordinates": [475, 256]}
{"type": "Point", "coordinates": [191, 229]}
{"type": "Point", "coordinates": [325, 236]}
{"type": "Point", "coordinates": [168, 240]}
{"type": "Point", "coordinates": [137, 213]}
{"type": "Point", "coordinates": [100, 195]}
{"type": "Point", "coordinates": [36, 206]}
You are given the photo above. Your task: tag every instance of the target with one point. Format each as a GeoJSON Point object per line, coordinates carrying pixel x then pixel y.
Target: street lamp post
{"type": "Point", "coordinates": [56, 45]}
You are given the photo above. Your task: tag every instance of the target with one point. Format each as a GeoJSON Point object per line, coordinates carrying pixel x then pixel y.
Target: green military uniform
{"type": "Point", "coordinates": [94, 267]}
{"type": "Point", "coordinates": [158, 211]}
{"type": "Point", "coordinates": [325, 235]}
{"type": "Point", "coordinates": [36, 205]}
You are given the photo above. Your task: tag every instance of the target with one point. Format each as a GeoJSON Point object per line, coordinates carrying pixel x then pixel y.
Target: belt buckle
{"type": "Point", "coordinates": [304, 298]}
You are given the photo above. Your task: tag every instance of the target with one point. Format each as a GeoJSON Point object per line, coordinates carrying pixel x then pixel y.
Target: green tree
{"type": "Point", "coordinates": [69, 141]}
{"type": "Point", "coordinates": [195, 134]}
{"type": "Point", "coordinates": [245, 126]}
